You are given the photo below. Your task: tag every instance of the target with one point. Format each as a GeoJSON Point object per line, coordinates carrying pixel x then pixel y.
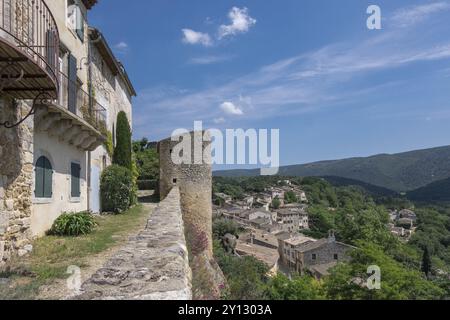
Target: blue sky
{"type": "Point", "coordinates": [309, 68]}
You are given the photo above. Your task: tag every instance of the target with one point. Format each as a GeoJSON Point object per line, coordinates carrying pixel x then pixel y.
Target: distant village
{"type": "Point", "coordinates": [274, 227]}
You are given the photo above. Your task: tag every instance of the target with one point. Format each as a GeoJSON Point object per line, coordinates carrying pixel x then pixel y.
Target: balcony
{"type": "Point", "coordinates": [74, 117]}
{"type": "Point", "coordinates": [29, 48]}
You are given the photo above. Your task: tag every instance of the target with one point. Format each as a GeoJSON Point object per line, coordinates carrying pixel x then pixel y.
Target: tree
{"type": "Point", "coordinates": [122, 151]}
{"type": "Point", "coordinates": [426, 262]}
{"type": "Point", "coordinates": [276, 203]}
{"type": "Point", "coordinates": [290, 197]}
{"type": "Point", "coordinates": [305, 287]}
{"type": "Point", "coordinates": [398, 282]}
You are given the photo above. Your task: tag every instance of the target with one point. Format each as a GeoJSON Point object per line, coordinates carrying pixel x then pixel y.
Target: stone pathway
{"type": "Point", "coordinates": [153, 265]}
{"type": "Point", "coordinates": [58, 290]}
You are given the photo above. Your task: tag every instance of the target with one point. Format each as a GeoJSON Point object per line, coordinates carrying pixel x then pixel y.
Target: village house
{"type": "Point", "coordinates": [320, 256]}
{"type": "Point", "coordinates": [287, 243]}
{"type": "Point", "coordinates": [292, 220]}
{"type": "Point", "coordinates": [54, 116]}
{"type": "Point", "coordinates": [303, 254]}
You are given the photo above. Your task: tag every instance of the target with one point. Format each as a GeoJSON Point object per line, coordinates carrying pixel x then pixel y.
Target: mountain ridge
{"type": "Point", "coordinates": [400, 172]}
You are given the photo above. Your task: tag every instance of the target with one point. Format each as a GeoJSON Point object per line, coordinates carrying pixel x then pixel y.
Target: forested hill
{"type": "Point", "coordinates": [399, 172]}
{"type": "Point", "coordinates": [438, 191]}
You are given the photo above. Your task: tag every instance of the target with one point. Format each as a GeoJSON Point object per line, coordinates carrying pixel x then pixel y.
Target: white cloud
{"type": "Point", "coordinates": [209, 59]}
{"type": "Point", "coordinates": [219, 120]}
{"type": "Point", "coordinates": [305, 83]}
{"type": "Point", "coordinates": [194, 37]}
{"type": "Point", "coordinates": [414, 14]}
{"type": "Point", "coordinates": [122, 47]}
{"type": "Point", "coordinates": [231, 109]}
{"type": "Point", "coordinates": [241, 22]}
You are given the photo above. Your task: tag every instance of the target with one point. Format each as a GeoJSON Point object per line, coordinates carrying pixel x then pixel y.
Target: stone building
{"type": "Point", "coordinates": [50, 120]}
{"type": "Point", "coordinates": [292, 220]}
{"type": "Point", "coordinates": [303, 254]}
{"type": "Point", "coordinates": [193, 178]}
{"type": "Point", "coordinates": [319, 256]}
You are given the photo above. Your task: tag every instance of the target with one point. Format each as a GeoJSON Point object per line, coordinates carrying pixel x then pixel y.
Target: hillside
{"type": "Point", "coordinates": [375, 191]}
{"type": "Point", "coordinates": [438, 191]}
{"type": "Point", "coordinates": [399, 172]}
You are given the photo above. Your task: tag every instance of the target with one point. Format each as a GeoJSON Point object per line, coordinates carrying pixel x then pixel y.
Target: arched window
{"type": "Point", "coordinates": [43, 178]}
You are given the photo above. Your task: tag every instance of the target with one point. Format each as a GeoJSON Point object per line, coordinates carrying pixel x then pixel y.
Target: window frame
{"type": "Point", "coordinates": [43, 199]}
{"type": "Point", "coordinates": [73, 26]}
{"type": "Point", "coordinates": [71, 196]}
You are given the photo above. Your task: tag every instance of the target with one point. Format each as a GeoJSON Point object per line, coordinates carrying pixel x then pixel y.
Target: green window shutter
{"type": "Point", "coordinates": [48, 179]}
{"type": "Point", "coordinates": [75, 185]}
{"type": "Point", "coordinates": [43, 178]}
{"type": "Point", "coordinates": [39, 178]}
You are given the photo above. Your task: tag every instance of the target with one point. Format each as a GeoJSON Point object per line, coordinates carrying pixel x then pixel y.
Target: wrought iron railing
{"type": "Point", "coordinates": [73, 98]}
{"type": "Point", "coordinates": [31, 28]}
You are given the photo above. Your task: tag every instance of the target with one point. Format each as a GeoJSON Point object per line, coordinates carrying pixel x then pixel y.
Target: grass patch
{"type": "Point", "coordinates": [52, 255]}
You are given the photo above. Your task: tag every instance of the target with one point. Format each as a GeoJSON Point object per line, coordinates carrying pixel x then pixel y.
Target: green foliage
{"type": "Point", "coordinates": [147, 184]}
{"type": "Point", "coordinates": [276, 203]}
{"type": "Point", "coordinates": [116, 189]}
{"type": "Point", "coordinates": [438, 191]}
{"type": "Point", "coordinates": [290, 197]}
{"type": "Point", "coordinates": [281, 287]}
{"type": "Point", "coordinates": [397, 282]}
{"type": "Point", "coordinates": [122, 152]}
{"type": "Point", "coordinates": [108, 144]}
{"type": "Point", "coordinates": [148, 164]}
{"type": "Point", "coordinates": [223, 226]}
{"type": "Point", "coordinates": [426, 262]}
{"type": "Point", "coordinates": [433, 232]}
{"type": "Point", "coordinates": [246, 276]}
{"type": "Point", "coordinates": [73, 224]}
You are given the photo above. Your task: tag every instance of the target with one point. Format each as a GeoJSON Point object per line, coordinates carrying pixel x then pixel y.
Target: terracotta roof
{"type": "Point", "coordinates": [89, 3]}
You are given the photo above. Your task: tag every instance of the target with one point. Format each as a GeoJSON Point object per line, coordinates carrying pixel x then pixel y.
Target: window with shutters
{"type": "Point", "coordinates": [43, 179]}
{"type": "Point", "coordinates": [75, 18]}
{"type": "Point", "coordinates": [75, 173]}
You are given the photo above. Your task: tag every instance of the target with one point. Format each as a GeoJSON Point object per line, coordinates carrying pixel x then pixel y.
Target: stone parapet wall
{"type": "Point", "coordinates": [16, 181]}
{"type": "Point", "coordinates": [154, 265]}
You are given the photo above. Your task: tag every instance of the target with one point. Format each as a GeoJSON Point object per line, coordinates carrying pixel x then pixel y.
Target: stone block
{"type": "Point", "coordinates": [2, 250]}
{"type": "Point", "coordinates": [9, 204]}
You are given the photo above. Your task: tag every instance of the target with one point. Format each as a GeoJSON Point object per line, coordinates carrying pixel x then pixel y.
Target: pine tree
{"type": "Point", "coordinates": [426, 262]}
{"type": "Point", "coordinates": [122, 151]}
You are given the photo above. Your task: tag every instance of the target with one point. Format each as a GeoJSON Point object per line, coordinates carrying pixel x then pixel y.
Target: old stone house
{"type": "Point", "coordinates": [302, 254]}
{"type": "Point", "coordinates": [52, 126]}
{"type": "Point", "coordinates": [292, 220]}
{"type": "Point", "coordinates": [319, 256]}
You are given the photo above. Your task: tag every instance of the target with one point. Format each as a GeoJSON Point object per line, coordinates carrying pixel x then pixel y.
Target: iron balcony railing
{"type": "Point", "coordinates": [74, 99]}
{"type": "Point", "coordinates": [31, 28]}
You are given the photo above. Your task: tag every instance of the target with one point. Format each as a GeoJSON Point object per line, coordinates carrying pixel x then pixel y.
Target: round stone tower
{"type": "Point", "coordinates": [194, 179]}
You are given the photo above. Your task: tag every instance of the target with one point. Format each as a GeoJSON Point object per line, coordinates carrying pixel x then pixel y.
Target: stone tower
{"type": "Point", "coordinates": [194, 180]}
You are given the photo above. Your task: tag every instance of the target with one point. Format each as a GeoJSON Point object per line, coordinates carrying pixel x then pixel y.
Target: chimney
{"type": "Point", "coordinates": [331, 237]}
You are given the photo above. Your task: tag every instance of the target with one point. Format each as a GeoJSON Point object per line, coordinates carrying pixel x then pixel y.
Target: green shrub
{"type": "Point", "coordinates": [73, 224]}
{"type": "Point", "coordinates": [147, 184]}
{"type": "Point", "coordinates": [116, 188]}
{"type": "Point", "coordinates": [122, 152]}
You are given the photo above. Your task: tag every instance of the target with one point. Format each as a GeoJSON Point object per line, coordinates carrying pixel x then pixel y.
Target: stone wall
{"type": "Point", "coordinates": [154, 265]}
{"type": "Point", "coordinates": [195, 184]}
{"type": "Point", "coordinates": [16, 180]}
{"type": "Point", "coordinates": [325, 254]}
